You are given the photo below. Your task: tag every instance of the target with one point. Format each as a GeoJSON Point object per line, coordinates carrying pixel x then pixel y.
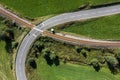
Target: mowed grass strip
{"type": "Point", "coordinates": [5, 58]}
{"type": "Point", "coordinates": [101, 28]}
{"type": "Point", "coordinates": [38, 8]}
{"type": "Point", "coordinates": [69, 72]}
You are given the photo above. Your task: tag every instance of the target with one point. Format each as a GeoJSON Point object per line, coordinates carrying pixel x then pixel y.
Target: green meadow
{"type": "Point", "coordinates": [100, 28]}
{"type": "Point", "coordinates": [38, 8]}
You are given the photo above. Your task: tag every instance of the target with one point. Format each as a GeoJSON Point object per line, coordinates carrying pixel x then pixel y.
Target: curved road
{"type": "Point", "coordinates": [60, 19]}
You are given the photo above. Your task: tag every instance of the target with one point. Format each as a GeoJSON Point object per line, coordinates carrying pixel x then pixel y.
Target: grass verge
{"type": "Point", "coordinates": [10, 38]}
{"type": "Point", "coordinates": [100, 28]}
{"type": "Point", "coordinates": [6, 72]}
{"type": "Point", "coordinates": [38, 8]}
{"type": "Point", "coordinates": [69, 72]}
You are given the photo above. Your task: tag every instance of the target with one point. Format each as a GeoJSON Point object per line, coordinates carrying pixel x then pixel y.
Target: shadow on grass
{"type": "Point", "coordinates": [97, 68]}
{"type": "Point", "coordinates": [8, 36]}
{"type": "Point", "coordinates": [56, 61]}
{"type": "Point", "coordinates": [33, 63]}
{"type": "Point", "coordinates": [112, 68]}
{"type": "Point", "coordinates": [8, 42]}
{"type": "Point", "coordinates": [50, 61]}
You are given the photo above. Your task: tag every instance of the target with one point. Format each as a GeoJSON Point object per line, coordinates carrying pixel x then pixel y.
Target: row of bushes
{"type": "Point", "coordinates": [105, 57]}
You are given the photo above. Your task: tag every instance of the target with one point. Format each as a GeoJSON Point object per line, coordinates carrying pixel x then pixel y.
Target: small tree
{"type": "Point", "coordinates": [52, 55]}
{"type": "Point", "coordinates": [84, 52]}
{"type": "Point", "coordinates": [95, 64]}
{"type": "Point", "coordinates": [45, 52]}
{"type": "Point", "coordinates": [101, 59]}
{"type": "Point", "coordinates": [112, 63]}
{"type": "Point", "coordinates": [14, 44]}
{"type": "Point", "coordinates": [117, 54]}
{"type": "Point", "coordinates": [78, 49]}
{"type": "Point", "coordinates": [39, 45]}
{"type": "Point", "coordinates": [111, 60]}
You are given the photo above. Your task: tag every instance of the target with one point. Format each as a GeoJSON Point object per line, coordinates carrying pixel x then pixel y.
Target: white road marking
{"type": "Point", "coordinates": [34, 35]}
{"type": "Point", "coordinates": [38, 29]}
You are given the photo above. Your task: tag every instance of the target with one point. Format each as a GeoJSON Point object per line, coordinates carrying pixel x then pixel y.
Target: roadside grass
{"type": "Point", "coordinates": [100, 28]}
{"type": "Point", "coordinates": [69, 72]}
{"type": "Point", "coordinates": [7, 58]}
{"type": "Point", "coordinates": [6, 73]}
{"type": "Point", "coordinates": [39, 8]}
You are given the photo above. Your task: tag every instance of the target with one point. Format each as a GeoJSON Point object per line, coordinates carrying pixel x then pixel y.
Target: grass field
{"type": "Point", "coordinates": [69, 72]}
{"type": "Point", "coordinates": [5, 64]}
{"type": "Point", "coordinates": [101, 28]}
{"type": "Point", "coordinates": [38, 8]}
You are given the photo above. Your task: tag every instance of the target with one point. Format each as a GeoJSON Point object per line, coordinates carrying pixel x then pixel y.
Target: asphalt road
{"type": "Point", "coordinates": [60, 19]}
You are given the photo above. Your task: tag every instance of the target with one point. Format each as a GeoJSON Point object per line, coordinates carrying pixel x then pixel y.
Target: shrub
{"type": "Point", "coordinates": [95, 63]}
{"type": "Point", "coordinates": [32, 63]}
{"type": "Point", "coordinates": [84, 52]}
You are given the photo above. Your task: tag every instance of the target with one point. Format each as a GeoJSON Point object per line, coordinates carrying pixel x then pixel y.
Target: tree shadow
{"type": "Point", "coordinates": [85, 55]}
{"type": "Point", "coordinates": [97, 68]}
{"type": "Point", "coordinates": [118, 61]}
{"type": "Point", "coordinates": [48, 60]}
{"type": "Point", "coordinates": [112, 68]}
{"type": "Point", "coordinates": [8, 36]}
{"type": "Point", "coordinates": [56, 61]}
{"type": "Point", "coordinates": [8, 42]}
{"type": "Point", "coordinates": [33, 64]}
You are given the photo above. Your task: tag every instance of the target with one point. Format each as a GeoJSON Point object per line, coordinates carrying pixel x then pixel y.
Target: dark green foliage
{"type": "Point", "coordinates": [101, 59]}
{"type": "Point", "coordinates": [112, 64]}
{"type": "Point", "coordinates": [14, 45]}
{"type": "Point", "coordinates": [95, 64]}
{"type": "Point", "coordinates": [78, 49]}
{"type": "Point", "coordinates": [8, 36]}
{"type": "Point", "coordinates": [84, 52]}
{"type": "Point", "coordinates": [54, 52]}
{"type": "Point", "coordinates": [45, 51]}
{"type": "Point", "coordinates": [9, 33]}
{"type": "Point", "coordinates": [39, 45]}
{"type": "Point", "coordinates": [32, 63]}
{"type": "Point", "coordinates": [8, 23]}
{"type": "Point", "coordinates": [50, 57]}
{"type": "Point", "coordinates": [112, 60]}
{"type": "Point", "coordinates": [117, 55]}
